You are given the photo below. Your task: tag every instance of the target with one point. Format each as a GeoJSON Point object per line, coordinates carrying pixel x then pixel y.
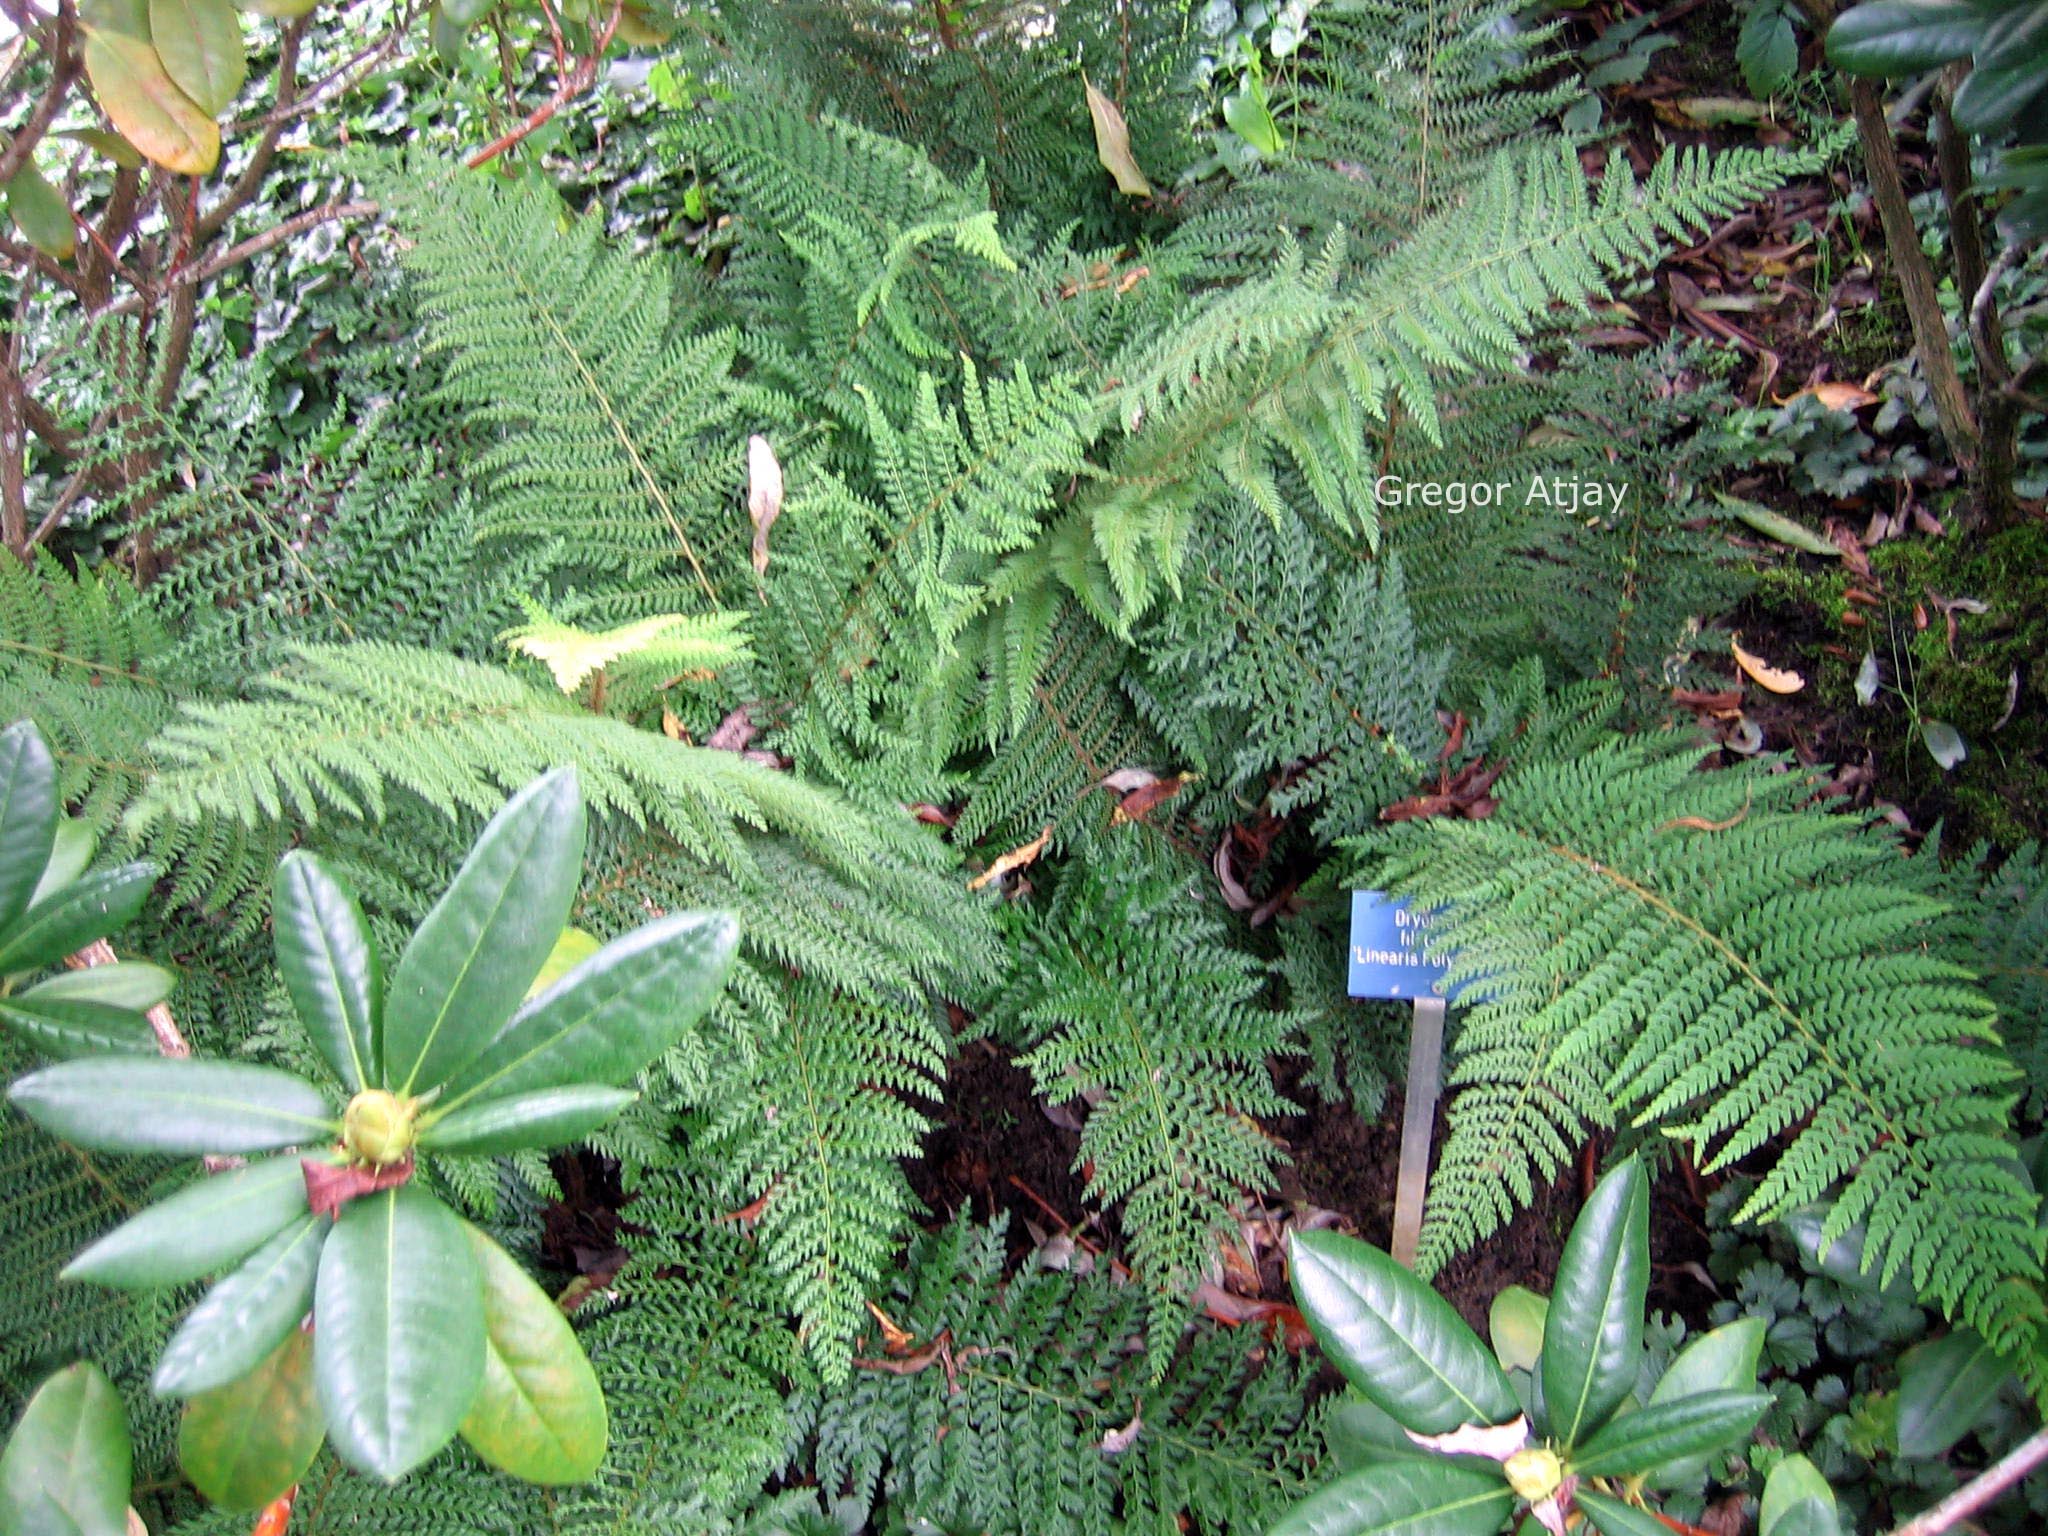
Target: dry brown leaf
{"type": "Point", "coordinates": [1015, 859]}
{"type": "Point", "coordinates": [1761, 672]}
{"type": "Point", "coordinates": [671, 724]}
{"type": "Point", "coordinates": [1113, 143]}
{"type": "Point", "coordinates": [1835, 397]}
{"type": "Point", "coordinates": [764, 495]}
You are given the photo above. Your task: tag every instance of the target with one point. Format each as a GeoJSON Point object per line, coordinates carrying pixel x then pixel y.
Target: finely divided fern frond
{"type": "Point", "coordinates": [1698, 953]}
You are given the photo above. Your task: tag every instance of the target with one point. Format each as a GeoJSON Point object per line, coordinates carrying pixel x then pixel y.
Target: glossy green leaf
{"type": "Point", "coordinates": [2009, 71]}
{"type": "Point", "coordinates": [486, 939]}
{"type": "Point", "coordinates": [71, 1451]}
{"type": "Point", "coordinates": [1361, 1434]}
{"type": "Point", "coordinates": [1250, 116]}
{"type": "Point", "coordinates": [65, 921]}
{"type": "Point", "coordinates": [200, 43]}
{"type": "Point", "coordinates": [1515, 1322]}
{"type": "Point", "coordinates": [551, 1117]}
{"type": "Point", "coordinates": [245, 1444]}
{"type": "Point", "coordinates": [612, 1014]}
{"type": "Point", "coordinates": [1944, 1387]}
{"type": "Point", "coordinates": [183, 1107]}
{"type": "Point", "coordinates": [1724, 1360]}
{"type": "Point", "coordinates": [1434, 1497]}
{"type": "Point", "coordinates": [1611, 1517]}
{"type": "Point", "coordinates": [1797, 1501]}
{"type": "Point", "coordinates": [205, 1226]}
{"type": "Point", "coordinates": [399, 1352]}
{"type": "Point", "coordinates": [539, 1413]}
{"type": "Point", "coordinates": [1903, 37]}
{"type": "Point", "coordinates": [66, 1029]}
{"type": "Point", "coordinates": [330, 967]}
{"type": "Point", "coordinates": [1395, 1339]}
{"type": "Point", "coordinates": [242, 1318]}
{"type": "Point", "coordinates": [1593, 1335]}
{"type": "Point", "coordinates": [41, 214]}
{"type": "Point", "coordinates": [28, 816]}
{"type": "Point", "coordinates": [69, 856]}
{"type": "Point", "coordinates": [1655, 1436]}
{"type": "Point", "coordinates": [132, 984]}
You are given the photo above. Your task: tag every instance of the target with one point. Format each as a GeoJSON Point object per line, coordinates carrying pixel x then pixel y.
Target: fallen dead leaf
{"type": "Point", "coordinates": [1113, 143]}
{"type": "Point", "coordinates": [1776, 679]}
{"type": "Point", "coordinates": [1015, 859]}
{"type": "Point", "coordinates": [764, 495]}
{"type": "Point", "coordinates": [1835, 397]}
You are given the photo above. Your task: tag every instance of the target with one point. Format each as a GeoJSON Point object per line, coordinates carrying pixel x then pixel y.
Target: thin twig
{"type": "Point", "coordinates": [1981, 1489]}
{"type": "Point", "coordinates": [169, 1040]}
{"type": "Point", "coordinates": [235, 255]}
{"type": "Point", "coordinates": [572, 83]}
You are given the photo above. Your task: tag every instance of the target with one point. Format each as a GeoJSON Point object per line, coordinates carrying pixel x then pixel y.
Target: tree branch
{"type": "Point", "coordinates": [1981, 1489]}
{"type": "Point", "coordinates": [64, 66]}
{"type": "Point", "coordinates": [235, 255]}
{"type": "Point", "coordinates": [250, 182]}
{"type": "Point", "coordinates": [573, 83]}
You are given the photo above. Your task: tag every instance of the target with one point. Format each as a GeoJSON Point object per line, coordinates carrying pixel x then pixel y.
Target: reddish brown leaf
{"type": "Point", "coordinates": [329, 1188]}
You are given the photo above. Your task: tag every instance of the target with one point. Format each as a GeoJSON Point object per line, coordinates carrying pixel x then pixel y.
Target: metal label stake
{"type": "Point", "coordinates": [1387, 961]}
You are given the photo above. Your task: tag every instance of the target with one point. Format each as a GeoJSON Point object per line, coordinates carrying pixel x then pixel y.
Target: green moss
{"type": "Point", "coordinates": [2000, 791]}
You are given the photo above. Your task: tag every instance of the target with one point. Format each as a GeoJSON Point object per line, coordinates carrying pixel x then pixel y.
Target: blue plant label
{"type": "Point", "coordinates": [1386, 949]}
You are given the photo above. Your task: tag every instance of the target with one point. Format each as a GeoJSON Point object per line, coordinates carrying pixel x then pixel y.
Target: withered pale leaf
{"type": "Point", "coordinates": [1113, 143]}
{"type": "Point", "coordinates": [764, 495]}
{"type": "Point", "coordinates": [1777, 679]}
{"type": "Point", "coordinates": [1009, 863]}
{"type": "Point", "coordinates": [1116, 1441]}
{"type": "Point", "coordinates": [1496, 1442]}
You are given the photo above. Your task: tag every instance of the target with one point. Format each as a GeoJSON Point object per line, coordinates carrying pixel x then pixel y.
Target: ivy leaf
{"type": "Point", "coordinates": [1593, 1335]}
{"type": "Point", "coordinates": [539, 1413]}
{"type": "Point", "coordinates": [1433, 1497]}
{"type": "Point", "coordinates": [70, 1455]}
{"type": "Point", "coordinates": [200, 44]}
{"type": "Point", "coordinates": [473, 957]}
{"type": "Point", "coordinates": [330, 967]}
{"type": "Point", "coordinates": [1395, 1339]}
{"type": "Point", "coordinates": [399, 1351]}
{"type": "Point", "coordinates": [182, 1107]}
{"type": "Point", "coordinates": [209, 1224]}
{"type": "Point", "coordinates": [246, 1443]}
{"type": "Point", "coordinates": [1944, 1388]}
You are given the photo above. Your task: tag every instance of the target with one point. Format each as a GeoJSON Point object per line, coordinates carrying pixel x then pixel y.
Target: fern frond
{"type": "Point", "coordinates": [1698, 953]}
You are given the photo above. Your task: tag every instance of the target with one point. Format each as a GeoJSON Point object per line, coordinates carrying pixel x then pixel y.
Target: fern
{"type": "Point", "coordinates": [1697, 953]}
{"type": "Point", "coordinates": [1126, 992]}
{"type": "Point", "coordinates": [1013, 1425]}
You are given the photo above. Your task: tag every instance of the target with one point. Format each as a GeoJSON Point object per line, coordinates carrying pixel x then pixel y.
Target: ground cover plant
{"type": "Point", "coordinates": [693, 694]}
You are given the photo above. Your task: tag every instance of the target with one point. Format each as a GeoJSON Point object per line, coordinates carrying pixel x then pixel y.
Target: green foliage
{"type": "Point", "coordinates": [425, 1327]}
{"type": "Point", "coordinates": [1127, 993]}
{"type": "Point", "coordinates": [1036, 1414]}
{"type": "Point", "coordinates": [1427, 1376]}
{"type": "Point", "coordinates": [1697, 952]}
